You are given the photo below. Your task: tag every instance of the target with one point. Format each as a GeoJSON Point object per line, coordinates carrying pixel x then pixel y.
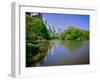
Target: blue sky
{"type": "Point", "coordinates": [65, 20]}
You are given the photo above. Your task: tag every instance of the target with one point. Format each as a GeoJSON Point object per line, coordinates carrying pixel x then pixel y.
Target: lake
{"type": "Point", "coordinates": [61, 52]}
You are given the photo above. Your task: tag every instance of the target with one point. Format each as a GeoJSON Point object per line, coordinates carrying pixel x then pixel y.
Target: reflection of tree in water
{"type": "Point", "coordinates": [39, 53]}
{"type": "Point", "coordinates": [35, 58]}
{"type": "Point", "coordinates": [72, 45]}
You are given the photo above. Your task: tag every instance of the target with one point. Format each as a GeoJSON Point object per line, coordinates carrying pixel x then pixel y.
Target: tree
{"type": "Point", "coordinates": [35, 28]}
{"type": "Point", "coordinates": [73, 33]}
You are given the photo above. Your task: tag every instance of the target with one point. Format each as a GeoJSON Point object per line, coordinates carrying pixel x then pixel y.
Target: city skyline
{"type": "Point", "coordinates": [63, 21]}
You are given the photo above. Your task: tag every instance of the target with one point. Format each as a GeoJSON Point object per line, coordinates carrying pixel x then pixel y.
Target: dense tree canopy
{"type": "Point", "coordinates": [73, 33]}
{"type": "Point", "coordinates": [36, 29]}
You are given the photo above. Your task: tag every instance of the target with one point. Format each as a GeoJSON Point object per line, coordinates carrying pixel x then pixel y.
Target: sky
{"type": "Point", "coordinates": [64, 20]}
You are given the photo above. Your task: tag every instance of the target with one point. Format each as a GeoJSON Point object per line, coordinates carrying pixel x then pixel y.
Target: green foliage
{"type": "Point", "coordinates": [31, 48]}
{"type": "Point", "coordinates": [36, 32]}
{"type": "Point", "coordinates": [37, 35]}
{"type": "Point", "coordinates": [73, 33]}
{"type": "Point", "coordinates": [36, 29]}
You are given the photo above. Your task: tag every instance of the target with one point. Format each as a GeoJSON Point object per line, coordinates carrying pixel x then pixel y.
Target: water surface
{"type": "Point", "coordinates": [62, 52]}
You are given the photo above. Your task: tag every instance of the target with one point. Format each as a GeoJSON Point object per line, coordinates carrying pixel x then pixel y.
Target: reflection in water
{"type": "Point", "coordinates": [73, 45]}
{"type": "Point", "coordinates": [59, 52]}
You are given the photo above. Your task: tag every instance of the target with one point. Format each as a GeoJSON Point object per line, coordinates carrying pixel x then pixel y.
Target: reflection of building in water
{"type": "Point", "coordinates": [46, 57]}
{"type": "Point", "coordinates": [51, 50]}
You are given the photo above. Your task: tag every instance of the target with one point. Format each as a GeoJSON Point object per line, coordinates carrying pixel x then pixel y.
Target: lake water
{"type": "Point", "coordinates": [60, 52]}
